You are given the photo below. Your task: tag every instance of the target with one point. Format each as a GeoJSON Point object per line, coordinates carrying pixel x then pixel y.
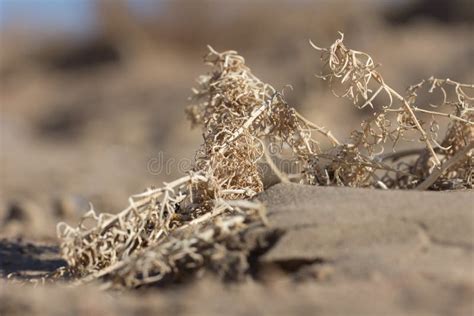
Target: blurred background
{"type": "Point", "coordinates": [92, 91]}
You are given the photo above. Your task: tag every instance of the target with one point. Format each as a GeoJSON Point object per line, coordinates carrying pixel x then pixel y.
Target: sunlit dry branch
{"type": "Point", "coordinates": [362, 83]}
{"type": "Point", "coordinates": [109, 238]}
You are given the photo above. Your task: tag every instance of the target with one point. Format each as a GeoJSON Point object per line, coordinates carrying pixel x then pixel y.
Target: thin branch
{"type": "Point", "coordinates": [458, 157]}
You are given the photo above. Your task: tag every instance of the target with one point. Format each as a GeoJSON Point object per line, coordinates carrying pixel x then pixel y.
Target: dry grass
{"type": "Point", "coordinates": [200, 221]}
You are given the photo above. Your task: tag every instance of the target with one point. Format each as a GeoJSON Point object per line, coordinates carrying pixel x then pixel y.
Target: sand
{"type": "Point", "coordinates": [74, 130]}
{"type": "Point", "coordinates": [341, 251]}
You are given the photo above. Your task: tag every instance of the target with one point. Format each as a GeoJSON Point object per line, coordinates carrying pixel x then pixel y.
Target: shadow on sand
{"type": "Point", "coordinates": [26, 259]}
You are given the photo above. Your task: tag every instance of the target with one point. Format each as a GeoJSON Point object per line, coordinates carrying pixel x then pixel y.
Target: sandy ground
{"type": "Point", "coordinates": [342, 252]}
{"type": "Point", "coordinates": [81, 119]}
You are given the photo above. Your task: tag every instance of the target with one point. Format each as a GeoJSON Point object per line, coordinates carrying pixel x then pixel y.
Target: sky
{"type": "Point", "coordinates": [65, 16]}
{"type": "Point", "coordinates": [49, 15]}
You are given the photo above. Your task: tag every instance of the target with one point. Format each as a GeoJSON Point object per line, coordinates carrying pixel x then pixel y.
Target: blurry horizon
{"type": "Point", "coordinates": [78, 17]}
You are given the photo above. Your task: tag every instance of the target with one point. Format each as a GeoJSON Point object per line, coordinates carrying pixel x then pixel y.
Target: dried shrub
{"type": "Point", "coordinates": [222, 246]}
{"type": "Point", "coordinates": [201, 221]}
{"type": "Point", "coordinates": [101, 240]}
{"type": "Point", "coordinates": [358, 162]}
{"type": "Point", "coordinates": [235, 110]}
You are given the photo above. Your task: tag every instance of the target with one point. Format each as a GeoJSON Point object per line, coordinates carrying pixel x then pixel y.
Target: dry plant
{"type": "Point", "coordinates": [237, 113]}
{"type": "Point", "coordinates": [235, 110]}
{"type": "Point", "coordinates": [442, 163]}
{"type": "Point", "coordinates": [202, 220]}
{"type": "Point", "coordinates": [222, 246]}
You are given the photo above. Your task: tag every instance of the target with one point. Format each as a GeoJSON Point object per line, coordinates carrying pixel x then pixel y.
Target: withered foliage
{"type": "Point", "coordinates": [201, 221]}
{"type": "Point", "coordinates": [359, 161]}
